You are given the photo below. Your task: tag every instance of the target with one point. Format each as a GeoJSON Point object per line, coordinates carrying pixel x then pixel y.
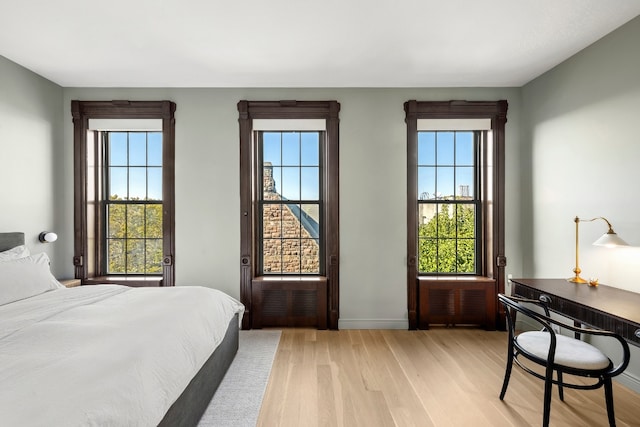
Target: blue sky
{"type": "Point", "coordinates": [446, 149]}
{"type": "Point", "coordinates": [295, 157]}
{"type": "Point", "coordinates": [144, 182]}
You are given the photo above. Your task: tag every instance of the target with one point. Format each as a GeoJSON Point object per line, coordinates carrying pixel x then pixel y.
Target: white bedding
{"type": "Point", "coordinates": [105, 355]}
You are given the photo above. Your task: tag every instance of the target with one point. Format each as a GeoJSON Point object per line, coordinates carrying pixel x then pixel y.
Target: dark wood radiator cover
{"type": "Point", "coordinates": [457, 302]}
{"type": "Point", "coordinates": [289, 303]}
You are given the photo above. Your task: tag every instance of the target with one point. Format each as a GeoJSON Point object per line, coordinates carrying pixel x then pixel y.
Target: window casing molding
{"type": "Point", "coordinates": [280, 111]}
{"type": "Point", "coordinates": [89, 259]}
{"type": "Point", "coordinates": [493, 190]}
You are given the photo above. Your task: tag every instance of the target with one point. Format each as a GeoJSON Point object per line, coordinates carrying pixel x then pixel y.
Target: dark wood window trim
{"type": "Point", "coordinates": [494, 260]}
{"type": "Point", "coordinates": [88, 257]}
{"type": "Point", "coordinates": [248, 111]}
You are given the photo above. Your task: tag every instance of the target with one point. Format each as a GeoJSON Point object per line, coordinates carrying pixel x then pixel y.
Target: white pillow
{"type": "Point", "coordinates": [26, 277]}
{"type": "Point", "coordinates": [14, 253]}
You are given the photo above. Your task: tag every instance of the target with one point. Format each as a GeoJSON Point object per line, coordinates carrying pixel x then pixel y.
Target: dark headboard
{"type": "Point", "coordinates": [10, 240]}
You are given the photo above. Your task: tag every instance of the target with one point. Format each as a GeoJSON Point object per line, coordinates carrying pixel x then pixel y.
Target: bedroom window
{"type": "Point", "coordinates": [124, 192]}
{"type": "Point", "coordinates": [289, 259]}
{"type": "Point", "coordinates": [133, 206]}
{"type": "Point", "coordinates": [455, 212]}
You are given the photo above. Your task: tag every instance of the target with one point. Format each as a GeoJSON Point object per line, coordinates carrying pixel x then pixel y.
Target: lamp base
{"type": "Point", "coordinates": [577, 279]}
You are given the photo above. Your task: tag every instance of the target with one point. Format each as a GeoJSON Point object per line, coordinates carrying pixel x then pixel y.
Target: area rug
{"type": "Point", "coordinates": [239, 397]}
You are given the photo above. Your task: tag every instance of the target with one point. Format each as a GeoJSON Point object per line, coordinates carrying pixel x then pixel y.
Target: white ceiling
{"type": "Point", "coordinates": [301, 43]}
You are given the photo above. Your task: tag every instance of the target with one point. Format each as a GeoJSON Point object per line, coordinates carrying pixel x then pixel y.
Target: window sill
{"type": "Point", "coordinates": [292, 278]}
{"type": "Point", "coordinates": [134, 281]}
{"type": "Point", "coordinates": [456, 279]}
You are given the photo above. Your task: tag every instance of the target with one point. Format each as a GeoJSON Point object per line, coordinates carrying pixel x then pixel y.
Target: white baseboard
{"type": "Point", "coordinates": [629, 380]}
{"type": "Point", "coordinates": [373, 324]}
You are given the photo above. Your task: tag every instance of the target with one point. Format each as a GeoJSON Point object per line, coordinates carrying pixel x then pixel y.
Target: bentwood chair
{"type": "Point", "coordinates": [559, 353]}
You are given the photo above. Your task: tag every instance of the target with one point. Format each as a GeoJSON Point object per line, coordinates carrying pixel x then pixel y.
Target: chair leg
{"type": "Point", "coordinates": [548, 385]}
{"type": "Point", "coordinates": [608, 396]}
{"type": "Point", "coordinates": [560, 388]}
{"type": "Point", "coordinates": [507, 372]}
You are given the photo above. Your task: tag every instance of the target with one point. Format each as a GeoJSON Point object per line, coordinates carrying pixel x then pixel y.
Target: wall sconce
{"type": "Point", "coordinates": [609, 239]}
{"type": "Point", "coordinates": [48, 237]}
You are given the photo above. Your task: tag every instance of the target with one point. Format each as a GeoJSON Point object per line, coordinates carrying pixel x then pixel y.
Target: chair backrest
{"type": "Point", "coordinates": [521, 305]}
{"type": "Point", "coordinates": [515, 304]}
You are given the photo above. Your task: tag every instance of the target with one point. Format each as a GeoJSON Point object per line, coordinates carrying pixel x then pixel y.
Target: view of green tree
{"type": "Point", "coordinates": [134, 237]}
{"type": "Point", "coordinates": [446, 243]}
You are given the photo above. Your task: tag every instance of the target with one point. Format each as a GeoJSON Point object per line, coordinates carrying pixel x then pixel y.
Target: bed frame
{"type": "Point", "coordinates": [188, 408]}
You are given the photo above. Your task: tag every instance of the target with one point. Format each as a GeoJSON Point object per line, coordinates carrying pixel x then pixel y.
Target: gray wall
{"type": "Point", "coordinates": [580, 153]}
{"type": "Point", "coordinates": [31, 165]}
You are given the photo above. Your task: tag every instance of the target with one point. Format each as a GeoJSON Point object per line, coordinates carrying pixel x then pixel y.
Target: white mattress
{"type": "Point", "coordinates": [105, 355]}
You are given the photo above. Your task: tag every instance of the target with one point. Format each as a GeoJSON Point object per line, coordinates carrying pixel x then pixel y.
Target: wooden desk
{"type": "Point", "coordinates": [602, 307]}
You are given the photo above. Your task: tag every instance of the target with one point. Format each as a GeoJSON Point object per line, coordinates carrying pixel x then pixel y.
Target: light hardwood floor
{"type": "Point", "coordinates": [440, 377]}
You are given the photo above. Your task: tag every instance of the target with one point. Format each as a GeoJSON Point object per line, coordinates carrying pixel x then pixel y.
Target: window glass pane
{"type": "Point", "coordinates": [153, 249]}
{"type": "Point", "coordinates": [464, 149]}
{"type": "Point", "coordinates": [310, 183]}
{"type": "Point", "coordinates": [311, 219]}
{"type": "Point", "coordinates": [290, 148]}
{"type": "Point", "coordinates": [116, 253]}
{"type": "Point", "coordinates": [426, 183]}
{"type": "Point", "coordinates": [155, 183]}
{"type": "Point", "coordinates": [310, 149]}
{"type": "Point", "coordinates": [445, 183]}
{"type": "Point", "coordinates": [153, 224]}
{"type": "Point", "coordinates": [118, 148]}
{"type": "Point", "coordinates": [465, 258]}
{"type": "Point", "coordinates": [446, 255]}
{"type": "Point", "coordinates": [445, 148]}
{"type": "Point", "coordinates": [291, 256]}
{"type": "Point", "coordinates": [271, 148]}
{"type": "Point", "coordinates": [135, 256]}
{"type": "Point", "coordinates": [135, 221]}
{"type": "Point", "coordinates": [427, 220]}
{"type": "Point", "coordinates": [154, 148]}
{"type": "Point", "coordinates": [465, 183]}
{"type": "Point", "coordinates": [272, 255]}
{"type": "Point", "coordinates": [446, 223]}
{"type": "Point", "coordinates": [271, 182]}
{"type": "Point", "coordinates": [291, 221]}
{"type": "Point", "coordinates": [427, 255]}
{"type": "Point", "coordinates": [426, 148]}
{"type": "Point", "coordinates": [137, 183]}
{"type": "Point", "coordinates": [137, 149]}
{"type": "Point", "coordinates": [272, 221]}
{"type": "Point", "coordinates": [466, 219]}
{"type": "Point", "coordinates": [310, 259]}
{"type": "Point", "coordinates": [116, 222]}
{"type": "Point", "coordinates": [118, 183]}
{"type": "Point", "coordinates": [291, 183]}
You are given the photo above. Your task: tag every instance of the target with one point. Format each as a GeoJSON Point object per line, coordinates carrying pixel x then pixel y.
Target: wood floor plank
{"type": "Point", "coordinates": [440, 377]}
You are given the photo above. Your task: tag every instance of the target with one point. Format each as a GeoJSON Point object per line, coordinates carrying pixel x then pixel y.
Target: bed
{"type": "Point", "coordinates": [107, 355]}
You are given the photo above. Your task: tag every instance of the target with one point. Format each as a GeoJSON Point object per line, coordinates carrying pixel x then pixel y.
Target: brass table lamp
{"type": "Point", "coordinates": [609, 239]}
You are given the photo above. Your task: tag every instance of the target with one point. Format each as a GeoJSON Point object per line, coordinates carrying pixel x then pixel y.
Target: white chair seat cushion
{"type": "Point", "coordinates": [569, 351]}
